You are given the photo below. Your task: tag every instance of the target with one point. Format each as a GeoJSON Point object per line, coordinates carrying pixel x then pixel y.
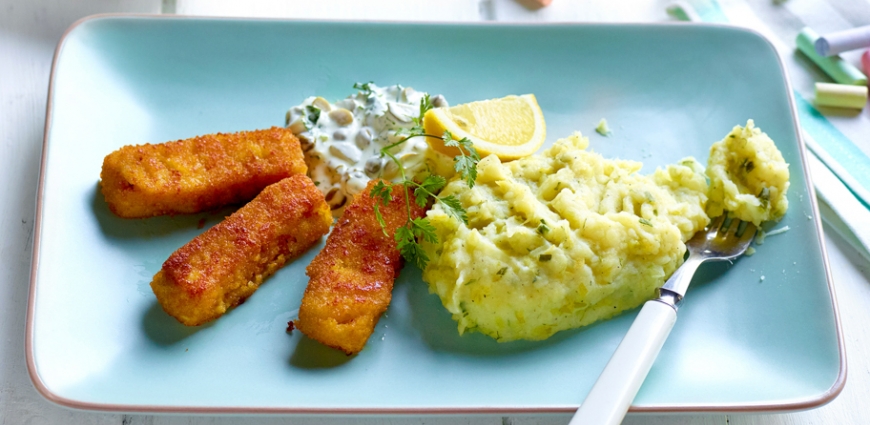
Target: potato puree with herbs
{"type": "Point", "coordinates": [748, 176]}
{"type": "Point", "coordinates": [562, 239]}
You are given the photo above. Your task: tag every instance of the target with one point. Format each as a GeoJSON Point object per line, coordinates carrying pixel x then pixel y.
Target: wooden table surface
{"type": "Point", "coordinates": [29, 32]}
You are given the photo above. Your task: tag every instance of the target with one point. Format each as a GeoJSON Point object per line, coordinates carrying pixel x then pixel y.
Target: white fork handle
{"type": "Point", "coordinates": [613, 392]}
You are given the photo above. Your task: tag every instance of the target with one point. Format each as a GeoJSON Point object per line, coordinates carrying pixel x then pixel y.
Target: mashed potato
{"type": "Point", "coordinates": [748, 176]}
{"type": "Point", "coordinates": [565, 238]}
{"type": "Point", "coordinates": [560, 240]}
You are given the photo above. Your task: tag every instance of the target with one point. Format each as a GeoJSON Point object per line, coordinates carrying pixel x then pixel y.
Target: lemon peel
{"type": "Point", "coordinates": [511, 127]}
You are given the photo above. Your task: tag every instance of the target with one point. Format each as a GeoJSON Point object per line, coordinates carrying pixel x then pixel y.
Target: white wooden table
{"type": "Point", "coordinates": [29, 31]}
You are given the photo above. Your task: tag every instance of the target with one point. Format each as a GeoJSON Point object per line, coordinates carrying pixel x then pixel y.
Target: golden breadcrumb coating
{"type": "Point", "coordinates": [223, 266]}
{"type": "Point", "coordinates": [352, 277]}
{"type": "Point", "coordinates": [198, 174]}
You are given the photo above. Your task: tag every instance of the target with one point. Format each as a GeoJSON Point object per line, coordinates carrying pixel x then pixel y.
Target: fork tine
{"type": "Point", "coordinates": [741, 227]}
{"type": "Point", "coordinates": [748, 233]}
{"type": "Point", "coordinates": [738, 230]}
{"type": "Point", "coordinates": [716, 223]}
{"type": "Point", "coordinates": [729, 224]}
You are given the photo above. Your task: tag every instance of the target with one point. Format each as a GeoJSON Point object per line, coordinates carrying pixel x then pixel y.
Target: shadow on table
{"type": "Point", "coordinates": [163, 329]}
{"type": "Point", "coordinates": [141, 228]}
{"type": "Point", "coordinates": [310, 354]}
{"type": "Point", "coordinates": [837, 112]}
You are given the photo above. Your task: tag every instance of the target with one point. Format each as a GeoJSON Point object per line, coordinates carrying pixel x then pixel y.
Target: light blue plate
{"type": "Point", "coordinates": [97, 339]}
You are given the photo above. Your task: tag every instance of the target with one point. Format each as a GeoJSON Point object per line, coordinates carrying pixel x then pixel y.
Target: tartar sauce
{"type": "Point", "coordinates": [342, 141]}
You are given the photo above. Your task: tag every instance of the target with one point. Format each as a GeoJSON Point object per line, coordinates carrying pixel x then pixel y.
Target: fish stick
{"type": "Point", "coordinates": [198, 174]}
{"type": "Point", "coordinates": [223, 266]}
{"type": "Point", "coordinates": [351, 279]}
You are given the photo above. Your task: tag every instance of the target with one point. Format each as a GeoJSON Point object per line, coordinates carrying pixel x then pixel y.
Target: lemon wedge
{"type": "Point", "coordinates": [511, 127]}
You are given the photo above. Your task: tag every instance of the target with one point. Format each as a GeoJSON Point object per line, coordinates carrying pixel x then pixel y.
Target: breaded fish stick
{"type": "Point", "coordinates": [198, 174]}
{"type": "Point", "coordinates": [352, 277]}
{"type": "Point", "coordinates": [223, 266]}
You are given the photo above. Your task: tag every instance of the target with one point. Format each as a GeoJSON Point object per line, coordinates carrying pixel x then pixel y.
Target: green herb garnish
{"type": "Point", "coordinates": [425, 105]}
{"type": "Point", "coordinates": [384, 193]}
{"type": "Point", "coordinates": [408, 236]}
{"type": "Point", "coordinates": [602, 128]}
{"type": "Point", "coordinates": [431, 184]}
{"type": "Point", "coordinates": [645, 222]}
{"type": "Point", "coordinates": [764, 197]}
{"type": "Point", "coordinates": [312, 114]}
{"type": "Point", "coordinates": [543, 228]}
{"type": "Point", "coordinates": [364, 88]}
{"type": "Point", "coordinates": [466, 163]}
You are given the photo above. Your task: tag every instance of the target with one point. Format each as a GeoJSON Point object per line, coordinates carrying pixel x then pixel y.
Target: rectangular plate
{"type": "Point", "coordinates": [97, 339]}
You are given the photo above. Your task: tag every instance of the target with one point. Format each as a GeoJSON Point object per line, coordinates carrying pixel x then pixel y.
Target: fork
{"type": "Point", "coordinates": [607, 403]}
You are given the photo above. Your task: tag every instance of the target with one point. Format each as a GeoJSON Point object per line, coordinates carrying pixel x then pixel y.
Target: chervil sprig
{"type": "Point", "coordinates": [406, 240]}
{"type": "Point", "coordinates": [384, 193]}
{"type": "Point", "coordinates": [430, 185]}
{"type": "Point", "coordinates": [417, 229]}
{"type": "Point", "coordinates": [425, 105]}
{"type": "Point", "coordinates": [466, 162]}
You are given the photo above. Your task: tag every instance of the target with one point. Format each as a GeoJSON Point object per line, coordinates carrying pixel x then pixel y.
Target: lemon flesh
{"type": "Point", "coordinates": [511, 127]}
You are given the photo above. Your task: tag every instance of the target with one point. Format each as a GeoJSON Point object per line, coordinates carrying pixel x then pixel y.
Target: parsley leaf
{"type": "Point", "coordinates": [424, 229]}
{"type": "Point", "coordinates": [764, 197]}
{"type": "Point", "coordinates": [543, 228]}
{"type": "Point", "coordinates": [409, 248]}
{"type": "Point", "coordinates": [425, 105]}
{"type": "Point", "coordinates": [466, 167]}
{"type": "Point", "coordinates": [380, 218]}
{"type": "Point", "coordinates": [364, 88]}
{"type": "Point", "coordinates": [431, 185]}
{"type": "Point", "coordinates": [466, 163]}
{"type": "Point", "coordinates": [312, 114]}
{"type": "Point", "coordinates": [454, 207]}
{"type": "Point", "coordinates": [384, 192]}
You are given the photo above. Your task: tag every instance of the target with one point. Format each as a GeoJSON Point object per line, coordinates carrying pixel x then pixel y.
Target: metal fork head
{"type": "Point", "coordinates": [724, 239]}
